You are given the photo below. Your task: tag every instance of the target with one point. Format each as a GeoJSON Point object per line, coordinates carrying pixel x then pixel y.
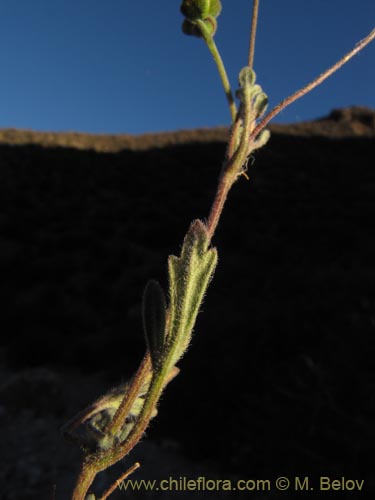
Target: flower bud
{"type": "Point", "coordinates": [246, 77]}
{"type": "Point", "coordinates": [200, 9]}
{"type": "Point", "coordinates": [190, 28]}
{"type": "Point", "coordinates": [211, 24]}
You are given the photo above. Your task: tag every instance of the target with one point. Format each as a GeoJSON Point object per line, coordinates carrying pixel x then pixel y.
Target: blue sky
{"type": "Point", "coordinates": [124, 66]}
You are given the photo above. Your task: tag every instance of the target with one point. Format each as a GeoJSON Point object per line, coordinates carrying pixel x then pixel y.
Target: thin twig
{"type": "Point", "coordinates": [116, 484]}
{"type": "Point", "coordinates": [253, 33]}
{"type": "Point", "coordinates": [317, 81]}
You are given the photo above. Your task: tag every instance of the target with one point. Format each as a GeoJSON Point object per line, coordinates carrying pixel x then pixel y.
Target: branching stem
{"type": "Point", "coordinates": [234, 164]}
{"type": "Point", "coordinates": [225, 182]}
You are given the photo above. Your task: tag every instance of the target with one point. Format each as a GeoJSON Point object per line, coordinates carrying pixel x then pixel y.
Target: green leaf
{"type": "Point", "coordinates": [262, 139]}
{"type": "Point", "coordinates": [154, 319]}
{"type": "Point", "coordinates": [189, 276]}
{"type": "Point", "coordinates": [246, 77]}
{"type": "Point", "coordinates": [260, 104]}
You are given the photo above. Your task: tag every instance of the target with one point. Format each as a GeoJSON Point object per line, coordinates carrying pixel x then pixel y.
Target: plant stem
{"type": "Point", "coordinates": [118, 481]}
{"type": "Point", "coordinates": [235, 162]}
{"type": "Point", "coordinates": [105, 459]}
{"type": "Point", "coordinates": [317, 81]}
{"type": "Point", "coordinates": [225, 182]}
{"type": "Point", "coordinates": [220, 66]}
{"type": "Point", "coordinates": [91, 468]}
{"type": "Point", "coordinates": [253, 32]}
{"type": "Point", "coordinates": [130, 396]}
{"type": "Point", "coordinates": [84, 481]}
{"type": "Point", "coordinates": [218, 204]}
{"type": "Point", "coordinates": [96, 462]}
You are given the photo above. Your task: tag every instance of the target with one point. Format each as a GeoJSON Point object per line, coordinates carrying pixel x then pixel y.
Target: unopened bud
{"type": "Point", "coordinates": [246, 77]}
{"type": "Point", "coordinates": [192, 28]}
{"type": "Point", "coordinates": [200, 9]}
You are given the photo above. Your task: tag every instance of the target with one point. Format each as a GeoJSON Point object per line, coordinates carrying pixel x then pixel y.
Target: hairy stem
{"type": "Point", "coordinates": [91, 467]}
{"type": "Point", "coordinates": [225, 182]}
{"type": "Point", "coordinates": [220, 67]}
{"type": "Point", "coordinates": [84, 480]}
{"type": "Point", "coordinates": [131, 396]}
{"type": "Point", "coordinates": [309, 87]}
{"type": "Point", "coordinates": [218, 204]}
{"type": "Point", "coordinates": [115, 485]}
{"type": "Point", "coordinates": [104, 460]}
{"type": "Point", "coordinates": [234, 165]}
{"type": "Point", "coordinates": [253, 33]}
{"type": "Point", "coordinates": [99, 461]}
